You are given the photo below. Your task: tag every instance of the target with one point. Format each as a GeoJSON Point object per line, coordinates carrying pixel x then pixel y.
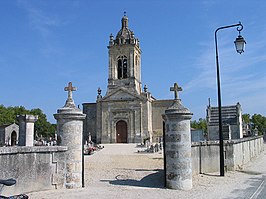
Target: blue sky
{"type": "Point", "coordinates": [45, 44]}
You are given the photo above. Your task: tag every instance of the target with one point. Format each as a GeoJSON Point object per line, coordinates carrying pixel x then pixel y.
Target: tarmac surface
{"type": "Point", "coordinates": [119, 171]}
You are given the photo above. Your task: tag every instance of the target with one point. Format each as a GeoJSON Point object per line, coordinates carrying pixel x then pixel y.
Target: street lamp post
{"type": "Point", "coordinates": [239, 44]}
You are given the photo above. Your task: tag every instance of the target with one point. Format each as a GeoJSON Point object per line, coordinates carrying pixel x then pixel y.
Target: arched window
{"type": "Point", "coordinates": [122, 67]}
{"type": "Point", "coordinates": [125, 68]}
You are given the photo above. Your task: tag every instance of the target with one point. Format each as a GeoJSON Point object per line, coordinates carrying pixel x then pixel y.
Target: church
{"type": "Point", "coordinates": [127, 113]}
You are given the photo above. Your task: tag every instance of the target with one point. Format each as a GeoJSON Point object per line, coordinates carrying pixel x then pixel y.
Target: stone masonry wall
{"type": "Point", "coordinates": [44, 168]}
{"type": "Point", "coordinates": [206, 155]}
{"type": "Point", "coordinates": [34, 168]}
{"type": "Point", "coordinates": [158, 108]}
{"type": "Point", "coordinates": [89, 125]}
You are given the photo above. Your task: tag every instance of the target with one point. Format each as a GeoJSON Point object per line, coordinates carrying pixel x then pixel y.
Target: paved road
{"type": "Point", "coordinates": [253, 184]}
{"type": "Point", "coordinates": [260, 192]}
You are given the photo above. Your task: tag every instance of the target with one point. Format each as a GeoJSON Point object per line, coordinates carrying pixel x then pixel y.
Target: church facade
{"type": "Point", "coordinates": [127, 113]}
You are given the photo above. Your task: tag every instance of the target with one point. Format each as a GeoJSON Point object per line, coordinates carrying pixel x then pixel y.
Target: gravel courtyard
{"type": "Point", "coordinates": [118, 171]}
{"type": "Point", "coordinates": [120, 164]}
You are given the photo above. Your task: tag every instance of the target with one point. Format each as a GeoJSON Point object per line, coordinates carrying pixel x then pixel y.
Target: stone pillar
{"type": "Point", "coordinates": [69, 132]}
{"type": "Point", "coordinates": [178, 147]}
{"type": "Point", "coordinates": [26, 129]}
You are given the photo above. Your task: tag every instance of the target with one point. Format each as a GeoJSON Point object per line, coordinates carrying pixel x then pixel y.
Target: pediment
{"type": "Point", "coordinates": [122, 94]}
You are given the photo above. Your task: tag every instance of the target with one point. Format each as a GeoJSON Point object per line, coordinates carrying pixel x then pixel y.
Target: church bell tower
{"type": "Point", "coordinates": [124, 60]}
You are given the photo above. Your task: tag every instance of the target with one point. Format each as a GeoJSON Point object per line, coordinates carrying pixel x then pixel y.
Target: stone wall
{"type": "Point", "coordinates": [197, 135]}
{"type": "Point", "coordinates": [206, 155]}
{"type": "Point", "coordinates": [247, 149]}
{"type": "Point", "coordinates": [158, 109]}
{"type": "Point", "coordinates": [234, 131]}
{"type": "Point", "coordinates": [44, 168]}
{"type": "Point", "coordinates": [89, 125]}
{"type": "Point", "coordinates": [34, 168]}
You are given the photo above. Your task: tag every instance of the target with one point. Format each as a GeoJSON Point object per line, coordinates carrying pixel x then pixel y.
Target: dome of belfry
{"type": "Point", "coordinates": [124, 35]}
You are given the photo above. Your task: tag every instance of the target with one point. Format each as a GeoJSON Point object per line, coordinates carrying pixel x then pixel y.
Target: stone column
{"type": "Point", "coordinates": [70, 130]}
{"type": "Point", "coordinates": [178, 146]}
{"type": "Point", "coordinates": [26, 129]}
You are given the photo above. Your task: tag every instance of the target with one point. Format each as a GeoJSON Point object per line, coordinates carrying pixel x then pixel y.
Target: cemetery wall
{"type": "Point", "coordinates": [34, 168]}
{"type": "Point", "coordinates": [44, 167]}
{"type": "Point", "coordinates": [206, 155]}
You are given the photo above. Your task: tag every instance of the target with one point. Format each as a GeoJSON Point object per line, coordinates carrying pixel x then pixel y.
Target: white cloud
{"type": "Point", "coordinates": [205, 70]}
{"type": "Point", "coordinates": [38, 19]}
{"type": "Point", "coordinates": [243, 77]}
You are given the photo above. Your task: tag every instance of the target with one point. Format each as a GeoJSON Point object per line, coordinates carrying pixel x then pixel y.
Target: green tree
{"type": "Point", "coordinates": [259, 122]}
{"type": "Point", "coordinates": [9, 115]}
{"type": "Point", "coordinates": [42, 126]}
{"type": "Point", "coordinates": [201, 124]}
{"type": "Point", "coordinates": [246, 118]}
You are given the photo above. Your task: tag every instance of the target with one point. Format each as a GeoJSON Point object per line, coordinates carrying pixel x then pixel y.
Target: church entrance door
{"type": "Point", "coordinates": [121, 132]}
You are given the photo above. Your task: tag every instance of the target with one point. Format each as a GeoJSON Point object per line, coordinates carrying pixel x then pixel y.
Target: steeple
{"type": "Point", "coordinates": [125, 21]}
{"type": "Point", "coordinates": [124, 35]}
{"type": "Point", "coordinates": [124, 59]}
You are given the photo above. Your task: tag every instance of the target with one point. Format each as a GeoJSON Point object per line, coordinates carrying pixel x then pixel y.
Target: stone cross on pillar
{"type": "Point", "coordinates": [178, 163]}
{"type": "Point", "coordinates": [70, 88]}
{"type": "Point", "coordinates": [70, 132]}
{"type": "Point", "coordinates": [70, 101]}
{"type": "Point", "coordinates": [176, 88]}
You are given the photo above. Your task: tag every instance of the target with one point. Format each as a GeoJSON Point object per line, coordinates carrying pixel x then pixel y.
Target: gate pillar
{"type": "Point", "coordinates": [70, 132]}
{"type": "Point", "coordinates": [178, 145]}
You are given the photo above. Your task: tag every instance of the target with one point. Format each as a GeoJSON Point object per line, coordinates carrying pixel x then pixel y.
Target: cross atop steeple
{"type": "Point", "coordinates": [176, 88]}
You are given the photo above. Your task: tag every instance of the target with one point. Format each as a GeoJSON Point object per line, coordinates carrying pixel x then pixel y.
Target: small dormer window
{"type": "Point", "coordinates": [122, 67]}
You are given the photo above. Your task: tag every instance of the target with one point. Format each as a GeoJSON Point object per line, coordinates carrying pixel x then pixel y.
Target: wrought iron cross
{"type": "Point", "coordinates": [176, 88]}
{"type": "Point", "coordinates": [70, 88]}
